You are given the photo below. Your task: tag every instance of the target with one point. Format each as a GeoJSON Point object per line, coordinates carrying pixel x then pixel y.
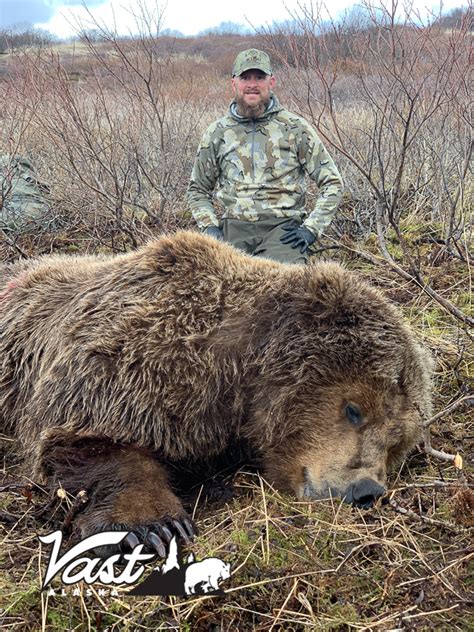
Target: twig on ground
{"type": "Point", "coordinates": [17, 487]}
{"type": "Point", "coordinates": [466, 400]}
{"type": "Point", "coordinates": [77, 505]}
{"type": "Point", "coordinates": [7, 518]}
{"type": "Point", "coordinates": [427, 289]}
{"type": "Point", "coordinates": [13, 244]}
{"type": "Point", "coordinates": [435, 484]}
{"type": "Point", "coordinates": [437, 523]}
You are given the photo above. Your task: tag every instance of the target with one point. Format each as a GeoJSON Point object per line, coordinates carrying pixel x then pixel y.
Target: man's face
{"type": "Point", "coordinates": [252, 92]}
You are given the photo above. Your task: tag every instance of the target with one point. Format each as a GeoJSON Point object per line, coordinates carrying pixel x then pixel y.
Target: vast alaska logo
{"type": "Point", "coordinates": [173, 577]}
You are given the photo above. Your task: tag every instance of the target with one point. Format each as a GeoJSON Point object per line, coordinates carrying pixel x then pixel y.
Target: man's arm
{"type": "Point", "coordinates": [203, 180]}
{"type": "Point", "coordinates": [321, 168]}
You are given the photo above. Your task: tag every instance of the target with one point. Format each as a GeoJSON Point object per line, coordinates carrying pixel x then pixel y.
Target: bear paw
{"type": "Point", "coordinates": [158, 535]}
{"type": "Point", "coordinates": [155, 535]}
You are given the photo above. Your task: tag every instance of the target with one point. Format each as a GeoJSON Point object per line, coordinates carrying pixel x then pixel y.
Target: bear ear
{"type": "Point", "coordinates": [186, 250]}
{"type": "Point", "coordinates": [161, 255]}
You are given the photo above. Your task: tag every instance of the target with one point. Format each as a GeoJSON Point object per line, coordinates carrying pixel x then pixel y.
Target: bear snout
{"type": "Point", "coordinates": [364, 493]}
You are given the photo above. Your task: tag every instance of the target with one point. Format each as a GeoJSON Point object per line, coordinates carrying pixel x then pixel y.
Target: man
{"type": "Point", "coordinates": [258, 155]}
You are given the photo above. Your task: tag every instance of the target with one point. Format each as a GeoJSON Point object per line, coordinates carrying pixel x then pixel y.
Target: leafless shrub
{"type": "Point", "coordinates": [113, 124]}
{"type": "Point", "coordinates": [11, 39]}
{"type": "Point", "coordinates": [391, 97]}
{"type": "Point", "coordinates": [125, 137]}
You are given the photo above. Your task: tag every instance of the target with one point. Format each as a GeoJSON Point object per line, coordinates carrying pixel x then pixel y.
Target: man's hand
{"type": "Point", "coordinates": [214, 231]}
{"type": "Point", "coordinates": [299, 237]}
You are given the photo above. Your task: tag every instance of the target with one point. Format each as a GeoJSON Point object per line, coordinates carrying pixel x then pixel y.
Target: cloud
{"type": "Point", "coordinates": [66, 17]}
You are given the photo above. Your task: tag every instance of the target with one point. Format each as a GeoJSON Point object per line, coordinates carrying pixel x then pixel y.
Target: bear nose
{"type": "Point", "coordinates": [365, 492]}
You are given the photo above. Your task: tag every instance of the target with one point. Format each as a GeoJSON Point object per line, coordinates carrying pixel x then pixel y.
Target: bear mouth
{"type": "Point", "coordinates": [362, 493]}
{"type": "Point", "coordinates": [311, 492]}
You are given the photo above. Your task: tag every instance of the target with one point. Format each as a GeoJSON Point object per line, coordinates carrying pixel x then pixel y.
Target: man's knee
{"type": "Point", "coordinates": [240, 234]}
{"type": "Point", "coordinates": [272, 247]}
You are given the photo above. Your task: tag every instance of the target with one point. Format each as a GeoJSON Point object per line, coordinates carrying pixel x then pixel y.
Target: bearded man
{"type": "Point", "coordinates": [259, 156]}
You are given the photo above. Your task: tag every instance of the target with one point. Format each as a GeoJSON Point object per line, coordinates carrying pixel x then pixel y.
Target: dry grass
{"type": "Point", "coordinates": [404, 565]}
{"type": "Point", "coordinates": [295, 565]}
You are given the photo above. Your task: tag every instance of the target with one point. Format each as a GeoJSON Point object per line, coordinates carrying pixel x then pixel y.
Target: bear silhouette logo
{"type": "Point", "coordinates": [192, 578]}
{"type": "Point", "coordinates": [203, 577]}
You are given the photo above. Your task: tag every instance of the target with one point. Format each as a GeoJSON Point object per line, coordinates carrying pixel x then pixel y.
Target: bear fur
{"type": "Point", "coordinates": [113, 368]}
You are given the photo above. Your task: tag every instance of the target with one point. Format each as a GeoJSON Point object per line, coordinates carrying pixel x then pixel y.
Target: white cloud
{"type": "Point", "coordinates": [190, 16]}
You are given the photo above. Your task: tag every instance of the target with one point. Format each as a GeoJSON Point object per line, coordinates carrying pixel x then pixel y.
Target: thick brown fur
{"type": "Point", "coordinates": [111, 368]}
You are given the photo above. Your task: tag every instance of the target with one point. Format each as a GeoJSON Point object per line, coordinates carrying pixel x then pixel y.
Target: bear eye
{"type": "Point", "coordinates": [354, 415]}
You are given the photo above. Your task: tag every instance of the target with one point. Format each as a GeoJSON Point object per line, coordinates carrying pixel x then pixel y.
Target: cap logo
{"type": "Point", "coordinates": [252, 58]}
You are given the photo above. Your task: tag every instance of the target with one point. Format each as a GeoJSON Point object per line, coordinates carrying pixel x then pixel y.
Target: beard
{"type": "Point", "coordinates": [251, 111]}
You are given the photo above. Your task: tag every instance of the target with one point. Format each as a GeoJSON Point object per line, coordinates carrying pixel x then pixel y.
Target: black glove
{"type": "Point", "coordinates": [214, 231]}
{"type": "Point", "coordinates": [299, 237]}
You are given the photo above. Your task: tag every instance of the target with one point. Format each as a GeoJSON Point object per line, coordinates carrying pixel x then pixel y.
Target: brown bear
{"type": "Point", "coordinates": [112, 369]}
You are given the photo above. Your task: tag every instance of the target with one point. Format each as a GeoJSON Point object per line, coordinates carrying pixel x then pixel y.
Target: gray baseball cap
{"type": "Point", "coordinates": [252, 59]}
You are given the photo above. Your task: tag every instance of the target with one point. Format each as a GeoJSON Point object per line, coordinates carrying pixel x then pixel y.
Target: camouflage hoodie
{"type": "Point", "coordinates": [22, 193]}
{"type": "Point", "coordinates": [260, 167]}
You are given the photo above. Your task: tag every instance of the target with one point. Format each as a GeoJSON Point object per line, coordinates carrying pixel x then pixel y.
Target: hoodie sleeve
{"type": "Point", "coordinates": [320, 167]}
{"type": "Point", "coordinates": [203, 180]}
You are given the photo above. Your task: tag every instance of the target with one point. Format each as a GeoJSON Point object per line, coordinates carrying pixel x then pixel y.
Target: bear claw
{"type": "Point", "coordinates": [167, 533]}
{"type": "Point", "coordinates": [191, 527]}
{"type": "Point", "coordinates": [131, 541]}
{"type": "Point", "coordinates": [157, 544]}
{"type": "Point", "coordinates": [158, 536]}
{"type": "Point", "coordinates": [180, 529]}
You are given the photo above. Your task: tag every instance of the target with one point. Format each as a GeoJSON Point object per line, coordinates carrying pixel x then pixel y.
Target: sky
{"type": "Point", "coordinates": [65, 18]}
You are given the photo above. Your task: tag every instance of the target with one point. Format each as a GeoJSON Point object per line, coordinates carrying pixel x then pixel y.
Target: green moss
{"type": "Point", "coordinates": [23, 601]}
{"type": "Point", "coordinates": [464, 301]}
{"type": "Point", "coordinates": [280, 556]}
{"type": "Point", "coordinates": [395, 250]}
{"type": "Point", "coordinates": [431, 319]}
{"type": "Point", "coordinates": [371, 240]}
{"type": "Point", "coordinates": [59, 620]}
{"type": "Point", "coordinates": [241, 537]}
{"type": "Point", "coordinates": [413, 229]}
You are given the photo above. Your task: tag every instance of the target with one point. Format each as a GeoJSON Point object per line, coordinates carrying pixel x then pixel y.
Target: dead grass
{"type": "Point", "coordinates": [320, 565]}
{"type": "Point", "coordinates": [404, 565]}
